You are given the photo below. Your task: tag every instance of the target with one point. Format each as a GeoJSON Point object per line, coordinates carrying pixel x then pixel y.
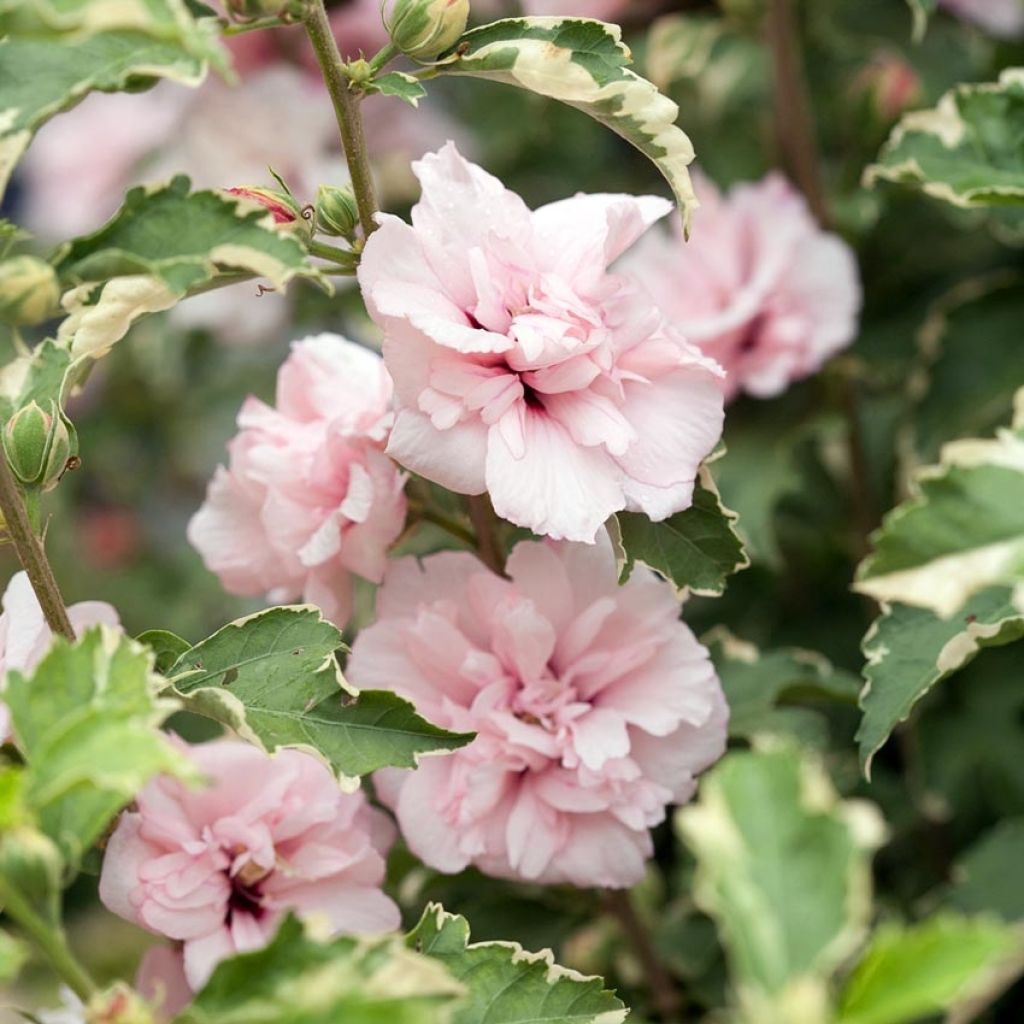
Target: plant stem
{"type": "Point", "coordinates": [667, 998]}
{"type": "Point", "coordinates": [51, 942]}
{"type": "Point", "coordinates": [794, 123]}
{"type": "Point", "coordinates": [240, 28]}
{"type": "Point", "coordinates": [346, 110]}
{"type": "Point", "coordinates": [485, 523]}
{"type": "Point", "coordinates": [31, 554]}
{"type": "Point", "coordinates": [381, 60]}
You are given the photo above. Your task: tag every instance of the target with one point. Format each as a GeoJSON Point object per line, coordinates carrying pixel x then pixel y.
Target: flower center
{"type": "Point", "coordinates": [244, 899]}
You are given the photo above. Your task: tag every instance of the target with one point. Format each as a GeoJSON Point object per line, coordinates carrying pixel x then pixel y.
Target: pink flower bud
{"type": "Point", "coordinates": [283, 206]}
{"type": "Point", "coordinates": [889, 83]}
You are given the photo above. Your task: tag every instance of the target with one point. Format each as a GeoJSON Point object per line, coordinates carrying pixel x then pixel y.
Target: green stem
{"type": "Point", "coordinates": [31, 554]}
{"type": "Point", "coordinates": [344, 257]}
{"type": "Point", "coordinates": [457, 530]}
{"type": "Point", "coordinates": [384, 58]}
{"type": "Point", "coordinates": [346, 110]}
{"type": "Point", "coordinates": [50, 941]}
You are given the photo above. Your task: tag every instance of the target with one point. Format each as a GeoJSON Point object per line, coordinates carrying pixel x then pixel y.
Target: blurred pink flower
{"type": "Point", "coordinates": [602, 10]}
{"type": "Point", "coordinates": [594, 707]}
{"type": "Point", "coordinates": [25, 637]}
{"type": "Point", "coordinates": [522, 367]}
{"type": "Point", "coordinates": [217, 867]}
{"type": "Point", "coordinates": [309, 498]}
{"type": "Point", "coordinates": [1003, 18]}
{"type": "Point", "coordinates": [759, 287]}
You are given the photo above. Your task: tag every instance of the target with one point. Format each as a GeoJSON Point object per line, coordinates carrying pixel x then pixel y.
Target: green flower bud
{"type": "Point", "coordinates": [424, 29]}
{"type": "Point", "coordinates": [28, 290]}
{"type": "Point", "coordinates": [336, 211]}
{"type": "Point", "coordinates": [38, 444]}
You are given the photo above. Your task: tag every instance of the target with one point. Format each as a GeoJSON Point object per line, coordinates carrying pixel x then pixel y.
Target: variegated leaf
{"type": "Point", "coordinates": [966, 150]}
{"type": "Point", "coordinates": [585, 64]}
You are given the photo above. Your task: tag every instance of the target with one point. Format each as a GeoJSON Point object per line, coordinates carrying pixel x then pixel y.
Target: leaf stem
{"type": "Point", "coordinates": [382, 59]}
{"type": "Point", "coordinates": [426, 514]}
{"type": "Point", "coordinates": [240, 28]}
{"type": "Point", "coordinates": [343, 257]}
{"type": "Point", "coordinates": [346, 110]}
{"type": "Point", "coordinates": [485, 526]}
{"type": "Point", "coordinates": [668, 1000]}
{"type": "Point", "coordinates": [31, 554]}
{"type": "Point", "coordinates": [50, 940]}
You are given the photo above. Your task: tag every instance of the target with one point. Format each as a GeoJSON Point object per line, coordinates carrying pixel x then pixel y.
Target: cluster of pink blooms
{"type": "Point", "coordinates": [25, 637]}
{"type": "Point", "coordinates": [309, 498]}
{"type": "Point", "coordinates": [760, 288]}
{"type": "Point", "coordinates": [594, 708]}
{"type": "Point", "coordinates": [543, 357]}
{"type": "Point", "coordinates": [216, 867]}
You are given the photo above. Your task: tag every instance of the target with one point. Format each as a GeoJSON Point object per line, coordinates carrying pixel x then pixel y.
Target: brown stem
{"type": "Point", "coordinates": [31, 554]}
{"type": "Point", "coordinates": [794, 123]}
{"type": "Point", "coordinates": [485, 526]}
{"type": "Point", "coordinates": [346, 110]}
{"type": "Point", "coordinates": [668, 1000]}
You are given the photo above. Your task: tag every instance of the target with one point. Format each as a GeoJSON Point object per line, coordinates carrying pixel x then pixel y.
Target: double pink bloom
{"type": "Point", "coordinates": [594, 707]}
{"type": "Point", "coordinates": [309, 499]}
{"type": "Point", "coordinates": [215, 867]}
{"type": "Point", "coordinates": [522, 367]}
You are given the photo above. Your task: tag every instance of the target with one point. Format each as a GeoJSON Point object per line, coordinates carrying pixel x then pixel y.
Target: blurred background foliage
{"type": "Point", "coordinates": [938, 356]}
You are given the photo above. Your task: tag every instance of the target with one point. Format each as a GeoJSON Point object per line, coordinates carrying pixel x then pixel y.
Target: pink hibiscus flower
{"type": "Point", "coordinates": [594, 708]}
{"type": "Point", "coordinates": [25, 637]}
{"type": "Point", "coordinates": [309, 498]}
{"type": "Point", "coordinates": [216, 867]}
{"type": "Point", "coordinates": [760, 287]}
{"type": "Point", "coordinates": [522, 367]}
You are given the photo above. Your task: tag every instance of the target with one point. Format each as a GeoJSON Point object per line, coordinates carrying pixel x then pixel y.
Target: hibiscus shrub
{"type": "Point", "coordinates": [565, 626]}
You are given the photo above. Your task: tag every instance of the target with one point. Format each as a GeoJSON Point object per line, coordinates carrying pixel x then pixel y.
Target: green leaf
{"type": "Point", "coordinates": [988, 878]}
{"type": "Point", "coordinates": [506, 984]}
{"type": "Point", "coordinates": [163, 243]}
{"type": "Point", "coordinates": [87, 721]}
{"type": "Point", "coordinates": [911, 973]}
{"type": "Point", "coordinates": [584, 64]}
{"type": "Point", "coordinates": [297, 979]}
{"type": "Point", "coordinates": [680, 47]}
{"type": "Point", "coordinates": [697, 549]}
{"type": "Point", "coordinates": [782, 867]}
{"type": "Point", "coordinates": [971, 362]}
{"type": "Point", "coordinates": [13, 954]}
{"type": "Point", "coordinates": [167, 647]}
{"type": "Point", "coordinates": [764, 688]}
{"type": "Point", "coordinates": [909, 650]}
{"type": "Point", "coordinates": [961, 532]}
{"type": "Point", "coordinates": [966, 151]}
{"type": "Point", "coordinates": [41, 77]}
{"type": "Point", "coordinates": [274, 679]}
{"type": "Point", "coordinates": [398, 83]}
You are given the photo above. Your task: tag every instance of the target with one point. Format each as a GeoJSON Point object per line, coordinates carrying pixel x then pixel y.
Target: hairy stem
{"type": "Point", "coordinates": [794, 123]}
{"type": "Point", "coordinates": [346, 110]}
{"type": "Point", "coordinates": [344, 257]}
{"type": "Point", "coordinates": [485, 526]}
{"type": "Point", "coordinates": [667, 999]}
{"type": "Point", "coordinates": [31, 554]}
{"type": "Point", "coordinates": [49, 940]}
{"type": "Point", "coordinates": [384, 58]}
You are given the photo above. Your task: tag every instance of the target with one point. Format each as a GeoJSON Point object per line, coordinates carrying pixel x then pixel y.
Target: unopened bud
{"type": "Point", "coordinates": [424, 29]}
{"type": "Point", "coordinates": [889, 85]}
{"type": "Point", "coordinates": [28, 290]}
{"type": "Point", "coordinates": [283, 206]}
{"type": "Point", "coordinates": [118, 1005]}
{"type": "Point", "coordinates": [336, 211]}
{"type": "Point", "coordinates": [31, 865]}
{"type": "Point", "coordinates": [38, 444]}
